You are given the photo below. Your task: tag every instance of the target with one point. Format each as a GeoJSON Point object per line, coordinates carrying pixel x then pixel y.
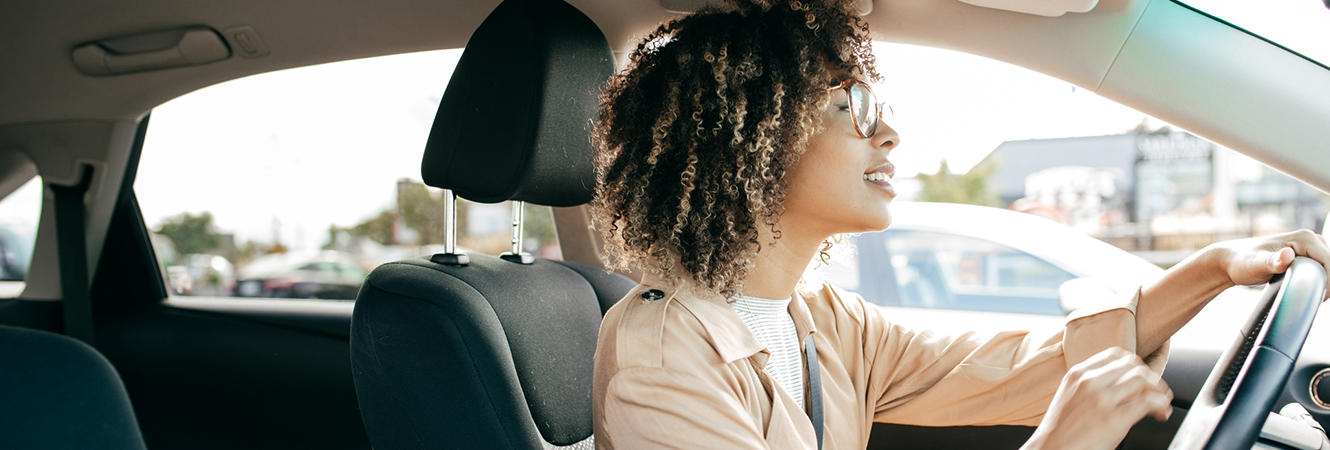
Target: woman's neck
{"type": "Point", "coordinates": [778, 268]}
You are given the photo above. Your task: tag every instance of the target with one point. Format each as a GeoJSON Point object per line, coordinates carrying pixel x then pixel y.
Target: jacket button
{"type": "Point", "coordinates": [652, 294]}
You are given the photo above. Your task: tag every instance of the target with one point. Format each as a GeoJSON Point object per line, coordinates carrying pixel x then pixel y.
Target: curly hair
{"type": "Point", "coordinates": [695, 136]}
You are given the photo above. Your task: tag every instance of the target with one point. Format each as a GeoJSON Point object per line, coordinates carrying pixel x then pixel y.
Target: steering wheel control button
{"type": "Point", "coordinates": [1320, 388]}
{"type": "Point", "coordinates": [650, 295]}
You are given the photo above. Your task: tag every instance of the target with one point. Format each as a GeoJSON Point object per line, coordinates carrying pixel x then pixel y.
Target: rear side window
{"type": "Point", "coordinates": [295, 184]}
{"type": "Point", "coordinates": [19, 211]}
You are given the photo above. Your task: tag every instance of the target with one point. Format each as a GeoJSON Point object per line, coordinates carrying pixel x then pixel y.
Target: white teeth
{"type": "Point", "coordinates": [875, 176]}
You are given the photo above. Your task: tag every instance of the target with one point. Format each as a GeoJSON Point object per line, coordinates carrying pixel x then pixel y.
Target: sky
{"type": "Point", "coordinates": [286, 154]}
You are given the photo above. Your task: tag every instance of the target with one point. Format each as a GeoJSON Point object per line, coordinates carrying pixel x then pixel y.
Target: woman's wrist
{"type": "Point", "coordinates": [1216, 260]}
{"type": "Point", "coordinates": [1166, 304]}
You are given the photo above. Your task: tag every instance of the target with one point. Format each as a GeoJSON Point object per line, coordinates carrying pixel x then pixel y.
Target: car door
{"type": "Point", "coordinates": [221, 372]}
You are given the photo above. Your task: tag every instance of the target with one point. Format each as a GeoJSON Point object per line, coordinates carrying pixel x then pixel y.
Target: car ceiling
{"type": "Point", "coordinates": [1191, 76]}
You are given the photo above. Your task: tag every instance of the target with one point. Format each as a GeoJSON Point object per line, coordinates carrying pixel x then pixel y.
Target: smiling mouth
{"type": "Point", "coordinates": [881, 180]}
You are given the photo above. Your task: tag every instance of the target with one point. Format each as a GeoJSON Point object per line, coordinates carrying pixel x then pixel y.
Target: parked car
{"type": "Point", "coordinates": [209, 275]}
{"type": "Point", "coordinates": [934, 256]}
{"type": "Point", "coordinates": [326, 275]}
{"type": "Point", "coordinates": [81, 78]}
{"type": "Point", "coordinates": [15, 255]}
{"type": "Point", "coordinates": [934, 268]}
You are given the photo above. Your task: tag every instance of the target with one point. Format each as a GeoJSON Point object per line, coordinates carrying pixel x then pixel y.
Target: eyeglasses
{"type": "Point", "coordinates": [864, 108]}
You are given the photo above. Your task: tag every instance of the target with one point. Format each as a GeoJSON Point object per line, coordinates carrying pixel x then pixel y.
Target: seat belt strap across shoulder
{"type": "Point", "coordinates": [814, 388]}
{"type": "Point", "coordinates": [72, 246]}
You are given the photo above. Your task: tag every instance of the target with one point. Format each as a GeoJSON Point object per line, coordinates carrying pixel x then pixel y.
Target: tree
{"type": "Point", "coordinates": [968, 188]}
{"type": "Point", "coordinates": [421, 210]}
{"type": "Point", "coordinates": [1144, 128]}
{"type": "Point", "coordinates": [538, 224]}
{"type": "Point", "coordinates": [191, 233]}
{"type": "Point", "coordinates": [417, 208]}
{"type": "Point", "coordinates": [378, 228]}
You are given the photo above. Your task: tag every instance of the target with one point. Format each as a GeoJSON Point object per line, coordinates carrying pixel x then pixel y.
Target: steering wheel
{"type": "Point", "coordinates": [1232, 406]}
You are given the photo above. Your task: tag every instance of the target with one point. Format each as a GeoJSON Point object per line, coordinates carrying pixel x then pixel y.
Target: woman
{"type": "Point", "coordinates": [734, 148]}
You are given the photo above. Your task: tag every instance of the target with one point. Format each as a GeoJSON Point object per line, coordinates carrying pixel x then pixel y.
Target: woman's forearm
{"type": "Point", "coordinates": [1172, 300]}
{"type": "Point", "coordinates": [1079, 418]}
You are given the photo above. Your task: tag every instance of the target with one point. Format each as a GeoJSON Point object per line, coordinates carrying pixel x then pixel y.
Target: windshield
{"type": "Point", "coordinates": [1298, 25]}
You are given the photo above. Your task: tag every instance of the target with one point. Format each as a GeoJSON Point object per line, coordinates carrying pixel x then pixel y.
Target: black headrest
{"type": "Point", "coordinates": [515, 122]}
{"type": "Point", "coordinates": [58, 393]}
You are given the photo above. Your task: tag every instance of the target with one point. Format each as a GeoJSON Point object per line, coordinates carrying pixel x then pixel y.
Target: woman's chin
{"type": "Point", "coordinates": [883, 217]}
{"type": "Point", "coordinates": [877, 222]}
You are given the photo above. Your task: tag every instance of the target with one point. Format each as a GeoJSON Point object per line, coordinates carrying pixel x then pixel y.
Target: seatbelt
{"type": "Point", "coordinates": [815, 388]}
{"type": "Point", "coordinates": [73, 249]}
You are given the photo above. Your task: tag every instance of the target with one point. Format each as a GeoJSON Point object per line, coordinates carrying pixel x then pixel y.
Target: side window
{"type": "Point", "coordinates": [1019, 140]}
{"type": "Point", "coordinates": [297, 183]}
{"type": "Point", "coordinates": [19, 211]}
{"type": "Point", "coordinates": [926, 269]}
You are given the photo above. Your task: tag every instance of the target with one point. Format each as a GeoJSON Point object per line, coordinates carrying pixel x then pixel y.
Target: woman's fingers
{"type": "Point", "coordinates": [1154, 395]}
{"type": "Point", "coordinates": [1254, 260]}
{"type": "Point", "coordinates": [1280, 260]}
{"type": "Point", "coordinates": [1153, 404]}
{"type": "Point", "coordinates": [1128, 380]}
{"type": "Point", "coordinates": [1306, 243]}
{"type": "Point", "coordinates": [1325, 263]}
{"type": "Point", "coordinates": [1100, 399]}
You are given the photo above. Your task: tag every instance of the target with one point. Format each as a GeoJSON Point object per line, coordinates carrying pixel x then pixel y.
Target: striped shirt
{"type": "Point", "coordinates": [770, 321]}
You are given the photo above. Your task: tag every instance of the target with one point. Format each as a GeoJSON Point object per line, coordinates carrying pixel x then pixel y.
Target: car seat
{"type": "Point", "coordinates": [474, 351]}
{"type": "Point", "coordinates": [57, 393]}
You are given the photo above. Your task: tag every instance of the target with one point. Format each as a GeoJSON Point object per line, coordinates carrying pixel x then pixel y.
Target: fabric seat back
{"type": "Point", "coordinates": [57, 393]}
{"type": "Point", "coordinates": [496, 354]}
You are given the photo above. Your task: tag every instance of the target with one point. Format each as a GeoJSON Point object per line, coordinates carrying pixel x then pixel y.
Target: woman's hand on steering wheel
{"type": "Point", "coordinates": [1099, 400]}
{"type": "Point", "coordinates": [1253, 261]}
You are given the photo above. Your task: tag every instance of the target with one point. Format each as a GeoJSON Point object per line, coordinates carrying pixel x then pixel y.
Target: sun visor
{"type": "Point", "coordinates": [1047, 8]}
{"type": "Point", "coordinates": [515, 121]}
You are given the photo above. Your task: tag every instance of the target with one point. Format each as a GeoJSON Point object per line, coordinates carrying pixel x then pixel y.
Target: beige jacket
{"type": "Point", "coordinates": [683, 371]}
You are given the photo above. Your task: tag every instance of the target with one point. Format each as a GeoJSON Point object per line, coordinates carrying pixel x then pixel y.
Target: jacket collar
{"type": "Point", "coordinates": [726, 332]}
{"type": "Point", "coordinates": [803, 319]}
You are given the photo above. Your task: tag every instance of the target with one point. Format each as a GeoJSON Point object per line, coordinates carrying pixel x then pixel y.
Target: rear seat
{"type": "Point", "coordinates": [57, 393]}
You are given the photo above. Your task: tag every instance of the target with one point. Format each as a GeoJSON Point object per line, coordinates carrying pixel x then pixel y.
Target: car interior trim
{"type": "Point", "coordinates": [15, 170]}
{"type": "Point", "coordinates": [104, 145]}
{"type": "Point", "coordinates": [1313, 388]}
{"type": "Point", "coordinates": [1275, 114]}
{"type": "Point", "coordinates": [329, 317]}
{"type": "Point", "coordinates": [189, 46]}
{"type": "Point", "coordinates": [71, 235]}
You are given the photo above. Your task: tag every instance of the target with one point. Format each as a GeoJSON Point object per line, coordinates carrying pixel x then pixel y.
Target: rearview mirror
{"type": "Point", "coordinates": [1081, 292]}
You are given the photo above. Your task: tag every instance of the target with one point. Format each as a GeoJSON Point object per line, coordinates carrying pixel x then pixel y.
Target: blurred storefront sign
{"type": "Point", "coordinates": [1165, 193]}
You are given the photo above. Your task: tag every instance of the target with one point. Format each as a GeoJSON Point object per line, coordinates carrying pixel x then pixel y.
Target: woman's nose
{"type": "Point", "coordinates": [886, 136]}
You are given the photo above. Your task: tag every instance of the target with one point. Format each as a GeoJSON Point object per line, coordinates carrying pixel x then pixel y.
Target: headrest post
{"type": "Point", "coordinates": [516, 254]}
{"type": "Point", "coordinates": [518, 217]}
{"type": "Point", "coordinates": [450, 256]}
{"type": "Point", "coordinates": [450, 221]}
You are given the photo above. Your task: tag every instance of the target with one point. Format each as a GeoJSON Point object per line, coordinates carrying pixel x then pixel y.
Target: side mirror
{"type": "Point", "coordinates": [1081, 292]}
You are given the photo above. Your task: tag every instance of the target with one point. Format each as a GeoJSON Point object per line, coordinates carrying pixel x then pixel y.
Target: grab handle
{"type": "Point", "coordinates": [189, 46]}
